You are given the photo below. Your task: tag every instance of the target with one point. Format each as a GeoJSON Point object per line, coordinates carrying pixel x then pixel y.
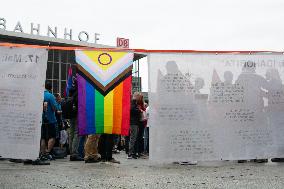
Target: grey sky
{"type": "Point", "coordinates": [161, 24]}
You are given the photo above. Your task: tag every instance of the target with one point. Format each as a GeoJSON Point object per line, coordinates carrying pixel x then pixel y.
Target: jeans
{"type": "Point", "coordinates": [105, 146]}
{"type": "Point", "coordinates": [133, 139]}
{"type": "Point", "coordinates": [81, 146]}
{"type": "Point", "coordinates": [146, 140]}
{"type": "Point", "coordinates": [140, 138]}
{"type": "Point", "coordinates": [74, 138]}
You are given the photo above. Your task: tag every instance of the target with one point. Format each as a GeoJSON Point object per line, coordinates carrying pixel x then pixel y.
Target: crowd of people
{"type": "Point", "coordinates": [139, 131]}
{"type": "Point", "coordinates": [60, 135]}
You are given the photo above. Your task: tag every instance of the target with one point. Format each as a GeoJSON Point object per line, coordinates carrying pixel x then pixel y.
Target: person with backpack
{"type": "Point", "coordinates": [69, 113]}
{"type": "Point", "coordinates": [48, 130]}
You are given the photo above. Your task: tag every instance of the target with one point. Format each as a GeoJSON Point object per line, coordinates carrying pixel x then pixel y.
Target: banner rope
{"type": "Point", "coordinates": [116, 49]}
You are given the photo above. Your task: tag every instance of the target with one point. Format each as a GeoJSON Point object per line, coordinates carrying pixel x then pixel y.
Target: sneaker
{"type": "Point", "coordinates": [242, 161]}
{"type": "Point", "coordinates": [261, 160]}
{"type": "Point", "coordinates": [76, 158]}
{"type": "Point", "coordinates": [44, 157]}
{"type": "Point", "coordinates": [192, 163]}
{"type": "Point", "coordinates": [40, 162]}
{"type": "Point", "coordinates": [16, 160]}
{"type": "Point", "coordinates": [143, 156]}
{"type": "Point", "coordinates": [115, 151]}
{"type": "Point", "coordinates": [134, 156]}
{"type": "Point", "coordinates": [28, 162]}
{"type": "Point", "coordinates": [277, 159]}
{"type": "Point", "coordinates": [50, 157]}
{"type": "Point", "coordinates": [114, 161]}
{"type": "Point", "coordinates": [188, 163]}
{"type": "Point", "coordinates": [129, 157]}
{"type": "Point", "coordinates": [92, 160]}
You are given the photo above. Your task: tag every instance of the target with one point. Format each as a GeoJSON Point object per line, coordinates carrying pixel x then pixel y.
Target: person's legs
{"type": "Point", "coordinates": [105, 148]}
{"type": "Point", "coordinates": [43, 139]}
{"type": "Point", "coordinates": [101, 147]}
{"type": "Point", "coordinates": [91, 149]}
{"type": "Point", "coordinates": [81, 146]}
{"type": "Point", "coordinates": [132, 139]}
{"type": "Point", "coordinates": [42, 146]}
{"type": "Point", "coordinates": [42, 155]}
{"type": "Point", "coordinates": [74, 154]}
{"type": "Point", "coordinates": [141, 139]}
{"type": "Point", "coordinates": [51, 137]}
{"type": "Point", "coordinates": [140, 144]}
{"type": "Point", "coordinates": [109, 145]}
{"type": "Point", "coordinates": [50, 144]}
{"type": "Point", "coordinates": [146, 140]}
{"type": "Point", "coordinates": [74, 137]}
{"type": "Point", "coordinates": [57, 135]}
{"type": "Point", "coordinates": [126, 144]}
{"type": "Point", "coordinates": [71, 132]}
{"type": "Point", "coordinates": [116, 141]}
{"type": "Point", "coordinates": [119, 144]}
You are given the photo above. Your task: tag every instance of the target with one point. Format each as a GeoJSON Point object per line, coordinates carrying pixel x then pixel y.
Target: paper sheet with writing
{"type": "Point", "coordinates": [213, 107]}
{"type": "Point", "coordinates": [22, 76]}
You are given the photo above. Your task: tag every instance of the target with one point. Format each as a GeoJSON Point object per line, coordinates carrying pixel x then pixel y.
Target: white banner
{"type": "Point", "coordinates": [213, 107]}
{"type": "Point", "coordinates": [22, 76]}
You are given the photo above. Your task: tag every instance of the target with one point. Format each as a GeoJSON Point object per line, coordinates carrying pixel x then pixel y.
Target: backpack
{"type": "Point", "coordinates": [68, 108]}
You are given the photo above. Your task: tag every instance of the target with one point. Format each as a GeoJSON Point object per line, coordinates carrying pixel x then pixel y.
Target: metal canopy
{"type": "Point", "coordinates": [24, 38]}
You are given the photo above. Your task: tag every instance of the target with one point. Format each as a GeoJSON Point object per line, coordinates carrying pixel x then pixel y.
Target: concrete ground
{"type": "Point", "coordinates": [141, 173]}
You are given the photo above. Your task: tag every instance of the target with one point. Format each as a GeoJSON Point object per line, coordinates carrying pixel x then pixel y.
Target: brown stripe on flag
{"type": "Point", "coordinates": [98, 84]}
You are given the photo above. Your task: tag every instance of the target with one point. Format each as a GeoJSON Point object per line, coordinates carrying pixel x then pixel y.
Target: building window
{"type": "Point", "coordinates": [57, 68]}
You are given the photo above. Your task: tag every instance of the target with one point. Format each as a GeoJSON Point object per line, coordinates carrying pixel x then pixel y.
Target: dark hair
{"type": "Point", "coordinates": [48, 85]}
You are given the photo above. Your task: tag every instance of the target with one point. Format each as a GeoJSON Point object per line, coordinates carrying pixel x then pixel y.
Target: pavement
{"type": "Point", "coordinates": [141, 173]}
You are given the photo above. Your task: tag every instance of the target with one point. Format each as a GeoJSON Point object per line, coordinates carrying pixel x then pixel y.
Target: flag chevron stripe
{"type": "Point", "coordinates": [101, 89]}
{"type": "Point", "coordinates": [89, 77]}
{"type": "Point", "coordinates": [104, 76]}
{"type": "Point", "coordinates": [104, 88]}
{"type": "Point", "coordinates": [94, 75]}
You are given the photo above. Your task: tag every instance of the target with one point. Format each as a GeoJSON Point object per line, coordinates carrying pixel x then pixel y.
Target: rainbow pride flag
{"type": "Point", "coordinates": [104, 92]}
{"type": "Point", "coordinates": [103, 114]}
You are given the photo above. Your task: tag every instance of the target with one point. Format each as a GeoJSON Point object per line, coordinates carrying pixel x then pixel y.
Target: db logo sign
{"type": "Point", "coordinates": [122, 42]}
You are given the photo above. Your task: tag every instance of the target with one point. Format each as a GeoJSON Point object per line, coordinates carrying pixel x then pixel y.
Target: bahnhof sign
{"type": "Point", "coordinates": [59, 61]}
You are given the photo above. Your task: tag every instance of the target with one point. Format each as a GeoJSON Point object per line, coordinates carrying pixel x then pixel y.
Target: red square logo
{"type": "Point", "coordinates": [122, 42]}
